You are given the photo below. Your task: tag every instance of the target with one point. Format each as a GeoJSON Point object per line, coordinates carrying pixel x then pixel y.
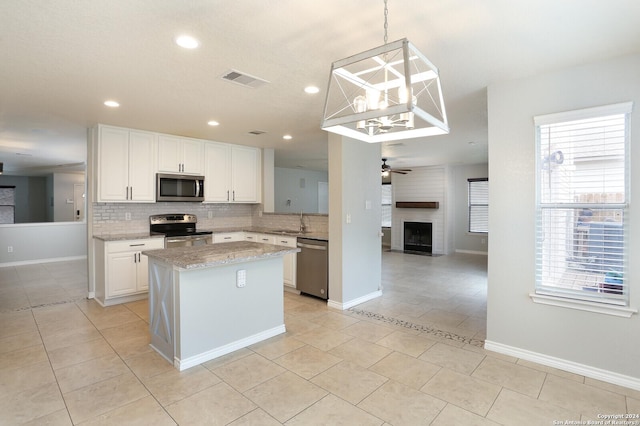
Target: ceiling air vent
{"type": "Point", "coordinates": [243, 79]}
{"type": "Point", "coordinates": [257, 132]}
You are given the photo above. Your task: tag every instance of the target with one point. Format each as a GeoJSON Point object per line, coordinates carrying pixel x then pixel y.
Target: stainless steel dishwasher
{"type": "Point", "coordinates": [313, 267]}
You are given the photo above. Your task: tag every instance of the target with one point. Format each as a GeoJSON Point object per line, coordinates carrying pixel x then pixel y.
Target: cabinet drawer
{"type": "Point", "coordinates": [134, 245]}
{"type": "Point", "coordinates": [266, 239]}
{"type": "Point", "coordinates": [228, 237]}
{"type": "Point", "coordinates": [286, 241]}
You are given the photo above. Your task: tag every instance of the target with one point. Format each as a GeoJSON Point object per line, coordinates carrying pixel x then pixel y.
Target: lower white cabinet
{"type": "Point", "coordinates": [122, 273]}
{"type": "Point", "coordinates": [226, 237]}
{"type": "Point", "coordinates": [289, 260]}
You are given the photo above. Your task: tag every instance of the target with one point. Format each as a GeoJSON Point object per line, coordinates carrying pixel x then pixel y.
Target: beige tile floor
{"type": "Point", "coordinates": [412, 357]}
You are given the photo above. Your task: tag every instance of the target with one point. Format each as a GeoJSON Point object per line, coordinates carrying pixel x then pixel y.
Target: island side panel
{"type": "Point", "coordinates": [215, 316]}
{"type": "Point", "coordinates": [161, 307]}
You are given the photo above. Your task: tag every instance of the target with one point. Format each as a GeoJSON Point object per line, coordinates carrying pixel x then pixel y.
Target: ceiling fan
{"type": "Point", "coordinates": [386, 169]}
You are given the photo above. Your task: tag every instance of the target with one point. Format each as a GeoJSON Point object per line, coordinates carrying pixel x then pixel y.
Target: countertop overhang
{"type": "Point", "coordinates": [211, 255]}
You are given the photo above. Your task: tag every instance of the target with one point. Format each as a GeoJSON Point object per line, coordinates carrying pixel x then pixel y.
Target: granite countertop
{"type": "Point", "coordinates": [207, 256]}
{"type": "Point", "coordinates": [121, 237]}
{"type": "Point", "coordinates": [323, 236]}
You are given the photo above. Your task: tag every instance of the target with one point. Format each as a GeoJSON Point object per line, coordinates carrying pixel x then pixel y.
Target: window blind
{"type": "Point", "coordinates": [582, 191]}
{"type": "Point", "coordinates": [478, 205]}
{"type": "Point", "coordinates": [386, 205]}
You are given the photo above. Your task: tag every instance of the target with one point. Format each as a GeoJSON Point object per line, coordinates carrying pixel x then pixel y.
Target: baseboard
{"type": "Point", "coordinates": [351, 303]}
{"type": "Point", "coordinates": [563, 364]}
{"type": "Point", "coordinates": [183, 364]}
{"type": "Point", "coordinates": [36, 261]}
{"type": "Point", "coordinates": [483, 253]}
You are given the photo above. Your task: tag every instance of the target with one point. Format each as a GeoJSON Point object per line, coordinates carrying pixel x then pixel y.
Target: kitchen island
{"type": "Point", "coordinates": [207, 301]}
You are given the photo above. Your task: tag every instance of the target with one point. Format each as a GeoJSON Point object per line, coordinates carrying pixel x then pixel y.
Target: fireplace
{"type": "Point", "coordinates": [417, 237]}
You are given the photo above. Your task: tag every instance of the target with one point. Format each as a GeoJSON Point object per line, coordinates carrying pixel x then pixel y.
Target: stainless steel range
{"type": "Point", "coordinates": [179, 230]}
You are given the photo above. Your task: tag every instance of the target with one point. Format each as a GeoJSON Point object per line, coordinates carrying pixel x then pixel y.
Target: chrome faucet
{"type": "Point", "coordinates": [302, 227]}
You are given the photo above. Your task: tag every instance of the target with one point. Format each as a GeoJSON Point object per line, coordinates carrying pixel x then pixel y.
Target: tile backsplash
{"type": "Point", "coordinates": [125, 218]}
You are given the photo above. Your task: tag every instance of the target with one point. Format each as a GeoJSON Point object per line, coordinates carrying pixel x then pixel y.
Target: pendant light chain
{"type": "Point", "coordinates": [386, 24]}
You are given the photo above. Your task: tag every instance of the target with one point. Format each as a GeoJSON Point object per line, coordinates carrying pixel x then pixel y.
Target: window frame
{"type": "Point", "coordinates": [390, 204]}
{"type": "Point", "coordinates": [470, 181]}
{"type": "Point", "coordinates": [582, 299]}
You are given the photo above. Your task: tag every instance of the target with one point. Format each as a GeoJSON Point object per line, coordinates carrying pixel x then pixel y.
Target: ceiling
{"type": "Point", "coordinates": [61, 60]}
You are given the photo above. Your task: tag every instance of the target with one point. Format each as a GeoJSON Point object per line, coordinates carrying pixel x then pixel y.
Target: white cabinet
{"type": "Point", "coordinates": [289, 260]}
{"type": "Point", "coordinates": [180, 155]}
{"type": "Point", "coordinates": [245, 174]}
{"type": "Point", "coordinates": [122, 270]}
{"type": "Point", "coordinates": [232, 173]}
{"type": "Point", "coordinates": [259, 238]}
{"type": "Point", "coordinates": [125, 162]}
{"type": "Point", "coordinates": [227, 237]}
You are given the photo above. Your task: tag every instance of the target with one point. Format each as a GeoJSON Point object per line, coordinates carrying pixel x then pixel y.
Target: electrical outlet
{"type": "Point", "coordinates": [210, 214]}
{"type": "Point", "coordinates": [484, 241]}
{"type": "Point", "coordinates": [348, 218]}
{"type": "Point", "coordinates": [127, 216]}
{"type": "Point", "coordinates": [9, 249]}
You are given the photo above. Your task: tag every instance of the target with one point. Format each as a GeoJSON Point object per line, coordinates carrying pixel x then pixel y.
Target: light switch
{"type": "Point", "coordinates": [348, 217]}
{"type": "Point", "coordinates": [241, 278]}
{"type": "Point", "coordinates": [367, 205]}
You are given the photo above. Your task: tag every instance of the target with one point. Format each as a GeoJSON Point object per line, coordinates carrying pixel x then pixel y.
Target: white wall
{"type": "Point", "coordinates": [463, 240]}
{"type": "Point", "coordinates": [300, 187]}
{"type": "Point", "coordinates": [422, 184]}
{"type": "Point", "coordinates": [42, 242]}
{"type": "Point", "coordinates": [602, 344]}
{"type": "Point", "coordinates": [355, 254]}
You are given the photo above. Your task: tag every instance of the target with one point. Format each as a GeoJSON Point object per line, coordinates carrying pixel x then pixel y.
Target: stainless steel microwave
{"type": "Point", "coordinates": [171, 187]}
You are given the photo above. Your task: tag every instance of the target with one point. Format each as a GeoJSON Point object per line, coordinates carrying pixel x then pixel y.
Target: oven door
{"type": "Point", "coordinates": [187, 241]}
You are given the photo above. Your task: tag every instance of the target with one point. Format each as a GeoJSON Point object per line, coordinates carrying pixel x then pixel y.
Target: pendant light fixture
{"type": "Point", "coordinates": [387, 93]}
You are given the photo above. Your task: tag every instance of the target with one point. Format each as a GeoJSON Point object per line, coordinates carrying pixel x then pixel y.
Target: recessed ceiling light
{"type": "Point", "coordinates": [311, 90]}
{"type": "Point", "coordinates": [213, 123]}
{"type": "Point", "coordinates": [287, 137]}
{"type": "Point", "coordinates": [112, 104]}
{"type": "Point", "coordinates": [187, 42]}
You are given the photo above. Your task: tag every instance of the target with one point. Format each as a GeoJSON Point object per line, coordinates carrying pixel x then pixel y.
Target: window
{"type": "Point", "coordinates": [386, 205]}
{"type": "Point", "coordinates": [478, 205]}
{"type": "Point", "coordinates": [7, 204]}
{"type": "Point", "coordinates": [582, 192]}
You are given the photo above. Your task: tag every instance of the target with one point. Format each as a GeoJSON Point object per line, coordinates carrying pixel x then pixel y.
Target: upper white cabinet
{"type": "Point", "coordinates": [232, 173]}
{"type": "Point", "coordinates": [180, 155]}
{"type": "Point", "coordinates": [125, 165]}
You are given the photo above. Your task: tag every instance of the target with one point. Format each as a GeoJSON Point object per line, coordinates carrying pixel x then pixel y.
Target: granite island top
{"type": "Point", "coordinates": [211, 255]}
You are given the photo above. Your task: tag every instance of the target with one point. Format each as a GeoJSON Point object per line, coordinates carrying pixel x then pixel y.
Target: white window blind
{"type": "Point", "coordinates": [582, 191]}
{"type": "Point", "coordinates": [386, 205]}
{"type": "Point", "coordinates": [478, 205]}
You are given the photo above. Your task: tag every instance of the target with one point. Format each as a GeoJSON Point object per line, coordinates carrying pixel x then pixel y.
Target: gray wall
{"type": "Point", "coordinates": [598, 341]}
{"type": "Point", "coordinates": [299, 186]}
{"type": "Point", "coordinates": [463, 240]}
{"type": "Point", "coordinates": [354, 248]}
{"type": "Point", "coordinates": [62, 191]}
{"type": "Point", "coordinates": [30, 199]}
{"type": "Point", "coordinates": [42, 242]}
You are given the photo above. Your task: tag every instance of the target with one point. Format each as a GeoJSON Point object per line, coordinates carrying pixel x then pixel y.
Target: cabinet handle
{"type": "Point", "coordinates": [136, 245]}
{"type": "Point", "coordinates": [131, 192]}
{"type": "Point", "coordinates": [227, 195]}
{"type": "Point", "coordinates": [139, 257]}
{"type": "Point", "coordinates": [234, 195]}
